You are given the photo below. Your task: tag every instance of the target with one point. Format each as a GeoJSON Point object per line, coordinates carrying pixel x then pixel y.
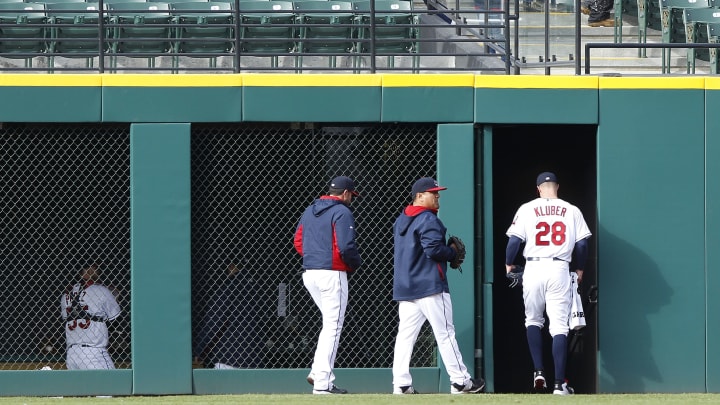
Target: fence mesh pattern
{"type": "Point", "coordinates": [65, 205]}
{"type": "Point", "coordinates": [250, 184]}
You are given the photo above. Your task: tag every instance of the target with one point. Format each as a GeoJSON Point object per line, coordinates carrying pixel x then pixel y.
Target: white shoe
{"type": "Point", "coordinates": [472, 387]}
{"type": "Point", "coordinates": [406, 389]}
{"type": "Point", "coordinates": [333, 390]}
{"type": "Point", "coordinates": [563, 389]}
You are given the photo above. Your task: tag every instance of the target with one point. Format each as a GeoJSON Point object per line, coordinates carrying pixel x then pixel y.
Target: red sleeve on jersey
{"type": "Point", "coordinates": [298, 240]}
{"type": "Point", "coordinates": [337, 261]}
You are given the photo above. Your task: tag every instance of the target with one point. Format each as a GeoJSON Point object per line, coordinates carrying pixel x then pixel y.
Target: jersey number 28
{"type": "Point", "coordinates": [548, 234]}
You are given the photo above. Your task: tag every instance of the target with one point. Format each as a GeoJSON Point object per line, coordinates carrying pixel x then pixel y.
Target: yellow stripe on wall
{"type": "Point", "coordinates": [44, 80]}
{"type": "Point", "coordinates": [428, 80]}
{"type": "Point", "coordinates": [170, 80]}
{"type": "Point", "coordinates": [712, 83]}
{"type": "Point", "coordinates": [535, 82]}
{"type": "Point", "coordinates": [661, 83]}
{"type": "Point", "coordinates": [311, 80]}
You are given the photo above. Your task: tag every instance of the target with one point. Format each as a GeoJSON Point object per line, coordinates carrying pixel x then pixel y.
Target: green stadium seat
{"type": "Point", "coordinates": [63, 1]}
{"type": "Point", "coordinates": [140, 29]}
{"type": "Point", "coordinates": [671, 16]}
{"type": "Point", "coordinates": [696, 20]}
{"type": "Point", "coordinates": [18, 1]}
{"type": "Point", "coordinates": [109, 2]}
{"type": "Point", "coordinates": [339, 38]}
{"type": "Point", "coordinates": [17, 39]}
{"type": "Point", "coordinates": [396, 29]}
{"type": "Point", "coordinates": [267, 28]}
{"type": "Point", "coordinates": [75, 31]}
{"type": "Point", "coordinates": [713, 32]}
{"type": "Point", "coordinates": [203, 27]}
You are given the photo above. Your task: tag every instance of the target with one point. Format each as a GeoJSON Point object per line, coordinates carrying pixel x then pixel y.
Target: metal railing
{"type": "Point", "coordinates": [667, 46]}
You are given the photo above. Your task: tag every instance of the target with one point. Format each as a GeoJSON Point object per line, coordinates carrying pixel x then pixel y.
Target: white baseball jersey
{"type": "Point", "coordinates": [550, 227]}
{"type": "Point", "coordinates": [97, 300]}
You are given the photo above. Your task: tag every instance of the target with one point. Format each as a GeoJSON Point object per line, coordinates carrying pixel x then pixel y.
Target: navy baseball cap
{"type": "Point", "coordinates": [344, 183]}
{"type": "Point", "coordinates": [426, 184]}
{"type": "Point", "coordinates": [545, 177]}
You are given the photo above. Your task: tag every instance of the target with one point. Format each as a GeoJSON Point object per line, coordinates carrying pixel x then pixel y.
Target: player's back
{"type": "Point", "coordinates": [551, 228]}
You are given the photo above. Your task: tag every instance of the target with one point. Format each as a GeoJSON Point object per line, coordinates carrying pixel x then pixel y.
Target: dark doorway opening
{"type": "Point", "coordinates": [520, 153]}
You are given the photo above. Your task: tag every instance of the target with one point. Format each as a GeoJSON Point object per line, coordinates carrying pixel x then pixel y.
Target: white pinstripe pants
{"type": "Point", "coordinates": [436, 309]}
{"type": "Point", "coordinates": [329, 290]}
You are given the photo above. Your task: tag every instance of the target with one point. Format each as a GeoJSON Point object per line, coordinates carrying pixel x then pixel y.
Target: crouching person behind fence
{"type": "Point", "coordinates": [86, 308]}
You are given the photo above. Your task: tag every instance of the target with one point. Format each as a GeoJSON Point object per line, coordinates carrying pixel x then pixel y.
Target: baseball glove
{"type": "Point", "coordinates": [515, 276]}
{"type": "Point", "coordinates": [459, 252]}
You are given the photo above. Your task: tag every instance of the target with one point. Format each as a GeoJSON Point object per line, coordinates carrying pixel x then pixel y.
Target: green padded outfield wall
{"type": "Point", "coordinates": [160, 258]}
{"type": "Point", "coordinates": [657, 207]}
{"type": "Point", "coordinates": [651, 236]}
{"type": "Point", "coordinates": [455, 155]}
{"type": "Point", "coordinates": [172, 98]}
{"type": "Point", "coordinates": [712, 235]}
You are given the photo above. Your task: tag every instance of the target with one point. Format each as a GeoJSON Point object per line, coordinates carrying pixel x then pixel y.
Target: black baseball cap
{"type": "Point", "coordinates": [344, 183]}
{"type": "Point", "coordinates": [545, 177]}
{"type": "Point", "coordinates": [426, 184]}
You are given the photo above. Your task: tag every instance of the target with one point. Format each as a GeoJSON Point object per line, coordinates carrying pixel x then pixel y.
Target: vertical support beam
{"type": "Point", "coordinates": [160, 258]}
{"type": "Point", "coordinates": [455, 164]}
{"type": "Point", "coordinates": [484, 152]}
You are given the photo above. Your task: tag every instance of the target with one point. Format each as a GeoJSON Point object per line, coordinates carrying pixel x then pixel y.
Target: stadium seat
{"type": "Point", "coordinates": [74, 31]}
{"type": "Point", "coordinates": [18, 1]}
{"type": "Point", "coordinates": [395, 29]}
{"type": "Point", "coordinates": [140, 30]}
{"type": "Point", "coordinates": [671, 14]}
{"type": "Point", "coordinates": [267, 28]}
{"type": "Point", "coordinates": [339, 38]}
{"type": "Point", "coordinates": [713, 31]}
{"type": "Point", "coordinates": [203, 28]}
{"type": "Point", "coordinates": [17, 39]}
{"type": "Point", "coordinates": [693, 18]}
{"type": "Point", "coordinates": [57, 1]}
{"type": "Point", "coordinates": [109, 2]}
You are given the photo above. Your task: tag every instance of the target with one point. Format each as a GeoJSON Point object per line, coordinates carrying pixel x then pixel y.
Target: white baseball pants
{"type": "Point", "coordinates": [546, 288]}
{"type": "Point", "coordinates": [436, 309]}
{"type": "Point", "coordinates": [329, 290]}
{"type": "Point", "coordinates": [88, 358]}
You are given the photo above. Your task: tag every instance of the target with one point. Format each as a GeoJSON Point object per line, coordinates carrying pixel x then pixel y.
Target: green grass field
{"type": "Point", "coordinates": [379, 399]}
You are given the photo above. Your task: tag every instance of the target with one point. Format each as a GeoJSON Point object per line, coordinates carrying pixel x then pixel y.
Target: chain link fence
{"type": "Point", "coordinates": [250, 184]}
{"type": "Point", "coordinates": [65, 205]}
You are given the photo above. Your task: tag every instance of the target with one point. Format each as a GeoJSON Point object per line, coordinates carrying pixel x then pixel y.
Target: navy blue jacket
{"type": "Point", "coordinates": [421, 255]}
{"type": "Point", "coordinates": [229, 333]}
{"type": "Point", "coordinates": [325, 236]}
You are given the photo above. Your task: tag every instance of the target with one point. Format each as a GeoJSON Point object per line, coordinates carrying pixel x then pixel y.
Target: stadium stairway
{"type": "Point", "coordinates": [603, 60]}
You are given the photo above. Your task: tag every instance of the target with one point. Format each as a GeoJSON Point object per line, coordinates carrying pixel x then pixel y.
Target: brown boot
{"type": "Point", "coordinates": [604, 23]}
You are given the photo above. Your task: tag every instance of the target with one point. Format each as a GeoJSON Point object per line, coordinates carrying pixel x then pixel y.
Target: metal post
{"type": "Point", "coordinates": [101, 37]}
{"type": "Point", "coordinates": [236, 14]}
{"type": "Point", "coordinates": [372, 37]}
{"type": "Point", "coordinates": [547, 36]}
{"type": "Point", "coordinates": [578, 35]}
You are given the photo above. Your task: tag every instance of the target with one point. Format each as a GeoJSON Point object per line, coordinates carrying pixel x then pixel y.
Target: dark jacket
{"type": "Point", "coordinates": [325, 236]}
{"type": "Point", "coordinates": [229, 333]}
{"type": "Point", "coordinates": [421, 255]}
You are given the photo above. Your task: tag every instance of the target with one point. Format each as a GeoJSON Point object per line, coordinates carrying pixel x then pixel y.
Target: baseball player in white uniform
{"type": "Point", "coordinates": [551, 229]}
{"type": "Point", "coordinates": [86, 307]}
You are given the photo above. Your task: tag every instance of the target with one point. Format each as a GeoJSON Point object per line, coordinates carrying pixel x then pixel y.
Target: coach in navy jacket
{"type": "Point", "coordinates": [421, 290]}
{"type": "Point", "coordinates": [421, 255]}
{"type": "Point", "coordinates": [320, 249]}
{"type": "Point", "coordinates": [325, 238]}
